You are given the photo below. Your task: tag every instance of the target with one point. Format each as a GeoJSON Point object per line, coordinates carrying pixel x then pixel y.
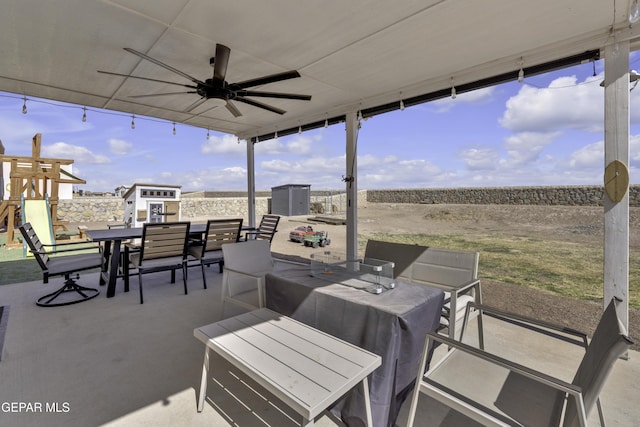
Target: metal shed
{"type": "Point", "coordinates": [291, 199]}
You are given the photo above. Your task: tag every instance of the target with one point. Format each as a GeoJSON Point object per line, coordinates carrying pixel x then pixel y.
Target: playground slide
{"type": "Point", "coordinates": [37, 213]}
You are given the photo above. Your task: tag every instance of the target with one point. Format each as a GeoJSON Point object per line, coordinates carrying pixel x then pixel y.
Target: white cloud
{"type": "Point", "coordinates": [119, 146]}
{"type": "Point", "coordinates": [526, 147]}
{"type": "Point", "coordinates": [299, 144]}
{"type": "Point", "coordinates": [480, 158]}
{"type": "Point", "coordinates": [230, 178]}
{"type": "Point", "coordinates": [63, 150]}
{"type": "Point", "coordinates": [589, 156]}
{"type": "Point", "coordinates": [226, 144]}
{"type": "Point", "coordinates": [565, 103]}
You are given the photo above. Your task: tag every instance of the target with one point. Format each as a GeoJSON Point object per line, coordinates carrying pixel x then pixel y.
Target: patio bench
{"type": "Point", "coordinates": [454, 271]}
{"type": "Point", "coordinates": [305, 368]}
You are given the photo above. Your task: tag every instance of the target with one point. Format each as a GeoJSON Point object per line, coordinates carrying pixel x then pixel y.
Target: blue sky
{"type": "Point", "coordinates": [547, 130]}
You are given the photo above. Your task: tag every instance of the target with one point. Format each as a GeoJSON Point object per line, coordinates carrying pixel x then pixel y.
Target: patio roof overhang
{"type": "Point", "coordinates": [361, 55]}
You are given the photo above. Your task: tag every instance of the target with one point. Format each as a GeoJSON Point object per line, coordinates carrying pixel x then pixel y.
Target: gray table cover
{"type": "Point", "coordinates": [393, 325]}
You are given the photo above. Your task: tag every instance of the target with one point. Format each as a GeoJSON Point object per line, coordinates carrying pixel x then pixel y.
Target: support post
{"type": "Point", "coordinates": [616, 159]}
{"type": "Point", "coordinates": [352, 127]}
{"type": "Point", "coordinates": [251, 184]}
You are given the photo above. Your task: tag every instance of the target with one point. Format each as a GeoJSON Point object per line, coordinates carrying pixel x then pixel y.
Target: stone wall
{"type": "Point", "coordinates": [111, 208]}
{"type": "Point", "coordinates": [568, 196]}
{"type": "Point", "coordinates": [227, 204]}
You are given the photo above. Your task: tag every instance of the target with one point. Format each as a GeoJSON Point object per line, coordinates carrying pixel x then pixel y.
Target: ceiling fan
{"type": "Point", "coordinates": [217, 89]}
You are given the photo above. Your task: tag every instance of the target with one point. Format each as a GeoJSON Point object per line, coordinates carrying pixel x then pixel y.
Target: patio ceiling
{"type": "Point", "coordinates": [353, 56]}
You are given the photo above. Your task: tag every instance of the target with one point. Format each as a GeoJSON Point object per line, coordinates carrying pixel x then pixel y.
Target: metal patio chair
{"type": "Point", "coordinates": [64, 260]}
{"type": "Point", "coordinates": [162, 248]}
{"type": "Point", "coordinates": [245, 266]}
{"type": "Point", "coordinates": [495, 391]}
{"type": "Point", "coordinates": [208, 250]}
{"type": "Point", "coordinates": [266, 230]}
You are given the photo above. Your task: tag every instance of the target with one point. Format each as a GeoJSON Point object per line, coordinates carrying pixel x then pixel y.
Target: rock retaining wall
{"type": "Point", "coordinates": [111, 209]}
{"type": "Point", "coordinates": [567, 196]}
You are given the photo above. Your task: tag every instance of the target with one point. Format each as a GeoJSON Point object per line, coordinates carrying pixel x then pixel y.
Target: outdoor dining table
{"type": "Point", "coordinates": [393, 325]}
{"type": "Point", "coordinates": [112, 239]}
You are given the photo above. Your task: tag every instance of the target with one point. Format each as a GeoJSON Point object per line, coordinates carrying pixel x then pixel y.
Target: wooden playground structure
{"type": "Point", "coordinates": [32, 178]}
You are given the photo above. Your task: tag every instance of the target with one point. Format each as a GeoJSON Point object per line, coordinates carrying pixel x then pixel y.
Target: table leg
{"type": "Point", "coordinates": [104, 274]}
{"type": "Point", "coordinates": [204, 380]}
{"type": "Point", "coordinates": [367, 401]}
{"type": "Point", "coordinates": [113, 268]}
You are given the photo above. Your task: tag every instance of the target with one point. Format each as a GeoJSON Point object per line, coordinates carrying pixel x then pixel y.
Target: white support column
{"type": "Point", "coordinates": [251, 184]}
{"type": "Point", "coordinates": [616, 147]}
{"type": "Point", "coordinates": [352, 127]}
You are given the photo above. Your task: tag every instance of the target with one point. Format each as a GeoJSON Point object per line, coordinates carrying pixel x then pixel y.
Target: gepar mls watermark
{"type": "Point", "coordinates": [35, 407]}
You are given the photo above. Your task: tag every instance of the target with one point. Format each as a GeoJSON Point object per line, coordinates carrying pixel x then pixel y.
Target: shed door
{"type": "Point", "coordinates": [172, 211]}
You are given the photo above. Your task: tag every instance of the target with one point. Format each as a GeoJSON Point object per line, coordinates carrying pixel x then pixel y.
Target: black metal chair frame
{"type": "Point", "coordinates": [208, 250]}
{"type": "Point", "coordinates": [169, 246]}
{"type": "Point", "coordinates": [64, 265]}
{"type": "Point", "coordinates": [266, 230]}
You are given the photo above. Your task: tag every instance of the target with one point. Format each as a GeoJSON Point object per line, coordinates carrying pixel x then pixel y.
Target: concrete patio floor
{"type": "Point", "coordinates": [115, 362]}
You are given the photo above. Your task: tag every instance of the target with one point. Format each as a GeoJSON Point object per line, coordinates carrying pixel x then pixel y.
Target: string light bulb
{"type": "Point", "coordinates": [326, 122]}
{"type": "Point", "coordinates": [299, 129]}
{"type": "Point", "coordinates": [453, 90]}
{"type": "Point", "coordinates": [275, 135]}
{"type": "Point", "coordinates": [207, 134]}
{"type": "Point", "coordinates": [521, 72]}
{"type": "Point", "coordinates": [174, 128]}
{"type": "Point", "coordinates": [401, 105]}
{"type": "Point", "coordinates": [359, 116]}
{"type": "Point", "coordinates": [24, 106]}
{"type": "Point", "coordinates": [84, 114]}
{"type": "Point", "coordinates": [133, 121]}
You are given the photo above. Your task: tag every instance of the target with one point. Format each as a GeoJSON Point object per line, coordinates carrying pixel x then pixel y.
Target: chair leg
{"type": "Point", "coordinates": [70, 285]}
{"type": "Point", "coordinates": [184, 277]}
{"type": "Point", "coordinates": [225, 290]}
{"type": "Point", "coordinates": [140, 286]}
{"type": "Point", "coordinates": [416, 389]}
{"type": "Point", "coordinates": [220, 266]}
{"type": "Point", "coordinates": [125, 268]}
{"type": "Point", "coordinates": [204, 279]}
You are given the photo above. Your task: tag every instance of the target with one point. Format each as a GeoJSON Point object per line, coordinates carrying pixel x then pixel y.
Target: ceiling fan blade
{"type": "Point", "coordinates": [233, 109]}
{"type": "Point", "coordinates": [265, 80]}
{"type": "Point", "coordinates": [221, 62]}
{"type": "Point", "coordinates": [196, 104]}
{"type": "Point", "coordinates": [146, 78]}
{"type": "Point", "coordinates": [161, 94]}
{"type": "Point", "coordinates": [163, 65]}
{"type": "Point", "coordinates": [260, 105]}
{"type": "Point", "coordinates": [273, 95]}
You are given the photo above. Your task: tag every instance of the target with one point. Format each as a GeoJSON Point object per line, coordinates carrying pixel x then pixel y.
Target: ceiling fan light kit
{"type": "Point", "coordinates": [216, 91]}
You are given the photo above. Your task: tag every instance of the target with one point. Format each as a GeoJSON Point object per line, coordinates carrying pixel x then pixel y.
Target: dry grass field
{"type": "Point", "coordinates": [541, 261]}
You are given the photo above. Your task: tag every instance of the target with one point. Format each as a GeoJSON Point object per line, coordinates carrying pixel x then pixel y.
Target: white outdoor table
{"type": "Point", "coordinates": [303, 367]}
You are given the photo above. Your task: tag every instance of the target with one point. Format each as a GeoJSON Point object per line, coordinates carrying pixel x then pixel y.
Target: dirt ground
{"type": "Point", "coordinates": [566, 223]}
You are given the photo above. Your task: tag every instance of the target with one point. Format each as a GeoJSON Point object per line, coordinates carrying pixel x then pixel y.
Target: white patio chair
{"type": "Point", "coordinates": [495, 391]}
{"type": "Point", "coordinates": [245, 266]}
